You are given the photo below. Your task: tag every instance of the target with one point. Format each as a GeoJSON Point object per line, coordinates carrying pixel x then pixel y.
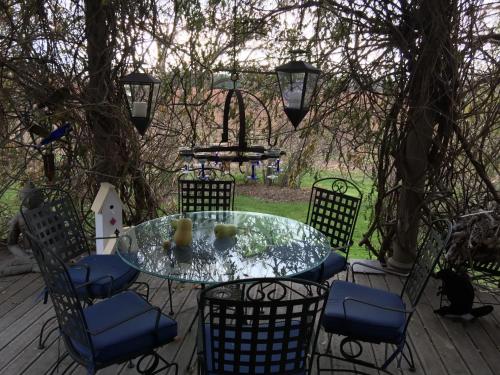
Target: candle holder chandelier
{"type": "Point", "coordinates": [297, 82]}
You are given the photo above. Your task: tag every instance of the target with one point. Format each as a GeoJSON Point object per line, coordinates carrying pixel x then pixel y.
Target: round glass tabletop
{"type": "Point", "coordinates": [263, 246]}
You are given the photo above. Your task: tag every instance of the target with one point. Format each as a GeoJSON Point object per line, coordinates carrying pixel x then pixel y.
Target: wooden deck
{"type": "Point", "coordinates": [442, 346]}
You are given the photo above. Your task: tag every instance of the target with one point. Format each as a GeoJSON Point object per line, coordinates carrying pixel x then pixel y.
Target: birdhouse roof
{"type": "Point", "coordinates": [105, 191]}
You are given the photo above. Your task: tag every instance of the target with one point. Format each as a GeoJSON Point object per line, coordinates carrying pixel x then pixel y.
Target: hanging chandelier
{"type": "Point", "coordinates": [238, 150]}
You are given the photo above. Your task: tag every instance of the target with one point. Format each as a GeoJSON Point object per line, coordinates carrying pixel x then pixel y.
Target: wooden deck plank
{"type": "Point", "coordinates": [20, 325]}
{"type": "Point", "coordinates": [28, 293]}
{"type": "Point", "coordinates": [15, 287]}
{"type": "Point", "coordinates": [20, 342]}
{"type": "Point", "coordinates": [442, 346]}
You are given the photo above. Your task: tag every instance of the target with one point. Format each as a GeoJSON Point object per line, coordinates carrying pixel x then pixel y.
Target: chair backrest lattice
{"type": "Point", "coordinates": [432, 242]}
{"type": "Point", "coordinates": [64, 298]}
{"type": "Point", "coordinates": [53, 220]}
{"type": "Point", "coordinates": [260, 326]}
{"type": "Point", "coordinates": [210, 190]}
{"type": "Point", "coordinates": [333, 210]}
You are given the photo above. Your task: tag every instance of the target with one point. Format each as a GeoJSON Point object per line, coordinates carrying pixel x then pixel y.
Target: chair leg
{"type": "Point", "coordinates": [169, 284]}
{"type": "Point", "coordinates": [410, 360]}
{"type": "Point", "coordinates": [68, 367]}
{"type": "Point", "coordinates": [41, 341]}
{"type": "Point", "coordinates": [395, 354]}
{"type": "Point", "coordinates": [347, 272]}
{"type": "Point", "coordinates": [329, 344]}
{"type": "Point", "coordinates": [58, 362]}
{"type": "Point", "coordinates": [145, 285]}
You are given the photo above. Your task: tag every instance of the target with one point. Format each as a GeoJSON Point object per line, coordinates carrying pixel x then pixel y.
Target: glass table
{"type": "Point", "coordinates": [264, 246]}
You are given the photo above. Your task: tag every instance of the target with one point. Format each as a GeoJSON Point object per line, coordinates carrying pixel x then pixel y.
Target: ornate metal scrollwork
{"type": "Point", "coordinates": [340, 186]}
{"type": "Point", "coordinates": [158, 364]}
{"type": "Point", "coordinates": [350, 354]}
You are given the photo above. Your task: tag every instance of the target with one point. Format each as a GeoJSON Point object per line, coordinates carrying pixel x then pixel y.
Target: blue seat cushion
{"type": "Point", "coordinates": [100, 266]}
{"type": "Point", "coordinates": [259, 352]}
{"type": "Point", "coordinates": [127, 340]}
{"type": "Point", "coordinates": [332, 265]}
{"type": "Point", "coordinates": [362, 321]}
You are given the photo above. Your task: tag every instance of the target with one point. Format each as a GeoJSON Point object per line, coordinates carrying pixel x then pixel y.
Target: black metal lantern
{"type": "Point", "coordinates": [297, 81]}
{"type": "Point", "coordinates": [141, 93]}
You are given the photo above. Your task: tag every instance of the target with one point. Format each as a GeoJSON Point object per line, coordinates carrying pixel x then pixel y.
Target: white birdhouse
{"type": "Point", "coordinates": [108, 208]}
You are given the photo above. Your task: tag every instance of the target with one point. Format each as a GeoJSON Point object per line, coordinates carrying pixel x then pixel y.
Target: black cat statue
{"type": "Point", "coordinates": [459, 291]}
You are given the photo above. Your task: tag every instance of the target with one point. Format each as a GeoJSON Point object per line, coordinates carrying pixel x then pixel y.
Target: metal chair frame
{"type": "Point", "coordinates": [431, 246]}
{"type": "Point", "coordinates": [71, 319]}
{"type": "Point", "coordinates": [205, 189]}
{"type": "Point", "coordinates": [334, 212]}
{"type": "Point", "coordinates": [272, 325]}
{"type": "Point", "coordinates": [53, 220]}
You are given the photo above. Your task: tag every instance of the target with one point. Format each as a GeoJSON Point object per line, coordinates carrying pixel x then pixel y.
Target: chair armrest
{"type": "Point", "coordinates": [150, 308]}
{"type": "Point", "coordinates": [110, 285]}
{"type": "Point", "coordinates": [101, 238]}
{"type": "Point", "coordinates": [379, 269]}
{"type": "Point", "coordinates": [84, 266]}
{"type": "Point", "coordinates": [348, 299]}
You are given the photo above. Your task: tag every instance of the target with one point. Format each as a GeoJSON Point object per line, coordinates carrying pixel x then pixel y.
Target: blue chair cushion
{"type": "Point", "coordinates": [277, 348]}
{"type": "Point", "coordinates": [362, 321]}
{"type": "Point", "coordinates": [100, 266]}
{"type": "Point", "coordinates": [127, 340]}
{"type": "Point", "coordinates": [332, 265]}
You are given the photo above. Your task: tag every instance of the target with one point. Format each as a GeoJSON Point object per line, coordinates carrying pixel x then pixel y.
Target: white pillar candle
{"type": "Point", "coordinates": [293, 98]}
{"type": "Point", "coordinates": [139, 109]}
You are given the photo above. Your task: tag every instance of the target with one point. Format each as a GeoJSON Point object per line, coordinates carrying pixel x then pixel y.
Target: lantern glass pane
{"type": "Point", "coordinates": [139, 94]}
{"type": "Point", "coordinates": [156, 90]}
{"type": "Point", "coordinates": [292, 85]}
{"type": "Point", "coordinates": [312, 80]}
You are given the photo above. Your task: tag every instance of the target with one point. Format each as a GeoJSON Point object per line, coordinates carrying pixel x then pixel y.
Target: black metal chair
{"type": "Point", "coordinates": [53, 220]}
{"type": "Point", "coordinates": [364, 314]}
{"type": "Point", "coordinates": [259, 326]}
{"type": "Point", "coordinates": [333, 210]}
{"type": "Point", "coordinates": [116, 330]}
{"type": "Point", "coordinates": [205, 189]}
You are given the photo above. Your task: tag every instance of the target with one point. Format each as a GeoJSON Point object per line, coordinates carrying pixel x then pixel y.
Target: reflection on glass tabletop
{"type": "Point", "coordinates": [263, 246]}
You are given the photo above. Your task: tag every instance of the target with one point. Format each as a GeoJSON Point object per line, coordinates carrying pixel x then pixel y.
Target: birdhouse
{"type": "Point", "coordinates": [108, 208]}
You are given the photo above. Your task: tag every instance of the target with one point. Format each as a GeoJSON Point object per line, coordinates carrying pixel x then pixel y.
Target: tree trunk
{"type": "Point", "coordinates": [428, 85]}
{"type": "Point", "coordinates": [100, 91]}
{"type": "Point", "coordinates": [117, 158]}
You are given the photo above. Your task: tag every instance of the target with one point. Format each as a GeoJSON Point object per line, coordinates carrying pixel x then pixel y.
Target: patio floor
{"type": "Point", "coordinates": [442, 346]}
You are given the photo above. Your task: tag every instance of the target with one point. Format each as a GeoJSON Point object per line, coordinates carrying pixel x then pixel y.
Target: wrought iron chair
{"type": "Point", "coordinates": [259, 326]}
{"type": "Point", "coordinates": [53, 220]}
{"type": "Point", "coordinates": [116, 330]}
{"type": "Point", "coordinates": [205, 189]}
{"type": "Point", "coordinates": [364, 314]}
{"type": "Point", "coordinates": [333, 211]}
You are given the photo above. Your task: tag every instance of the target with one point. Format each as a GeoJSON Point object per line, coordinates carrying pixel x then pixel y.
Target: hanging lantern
{"type": "Point", "coordinates": [141, 93]}
{"type": "Point", "coordinates": [297, 81]}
